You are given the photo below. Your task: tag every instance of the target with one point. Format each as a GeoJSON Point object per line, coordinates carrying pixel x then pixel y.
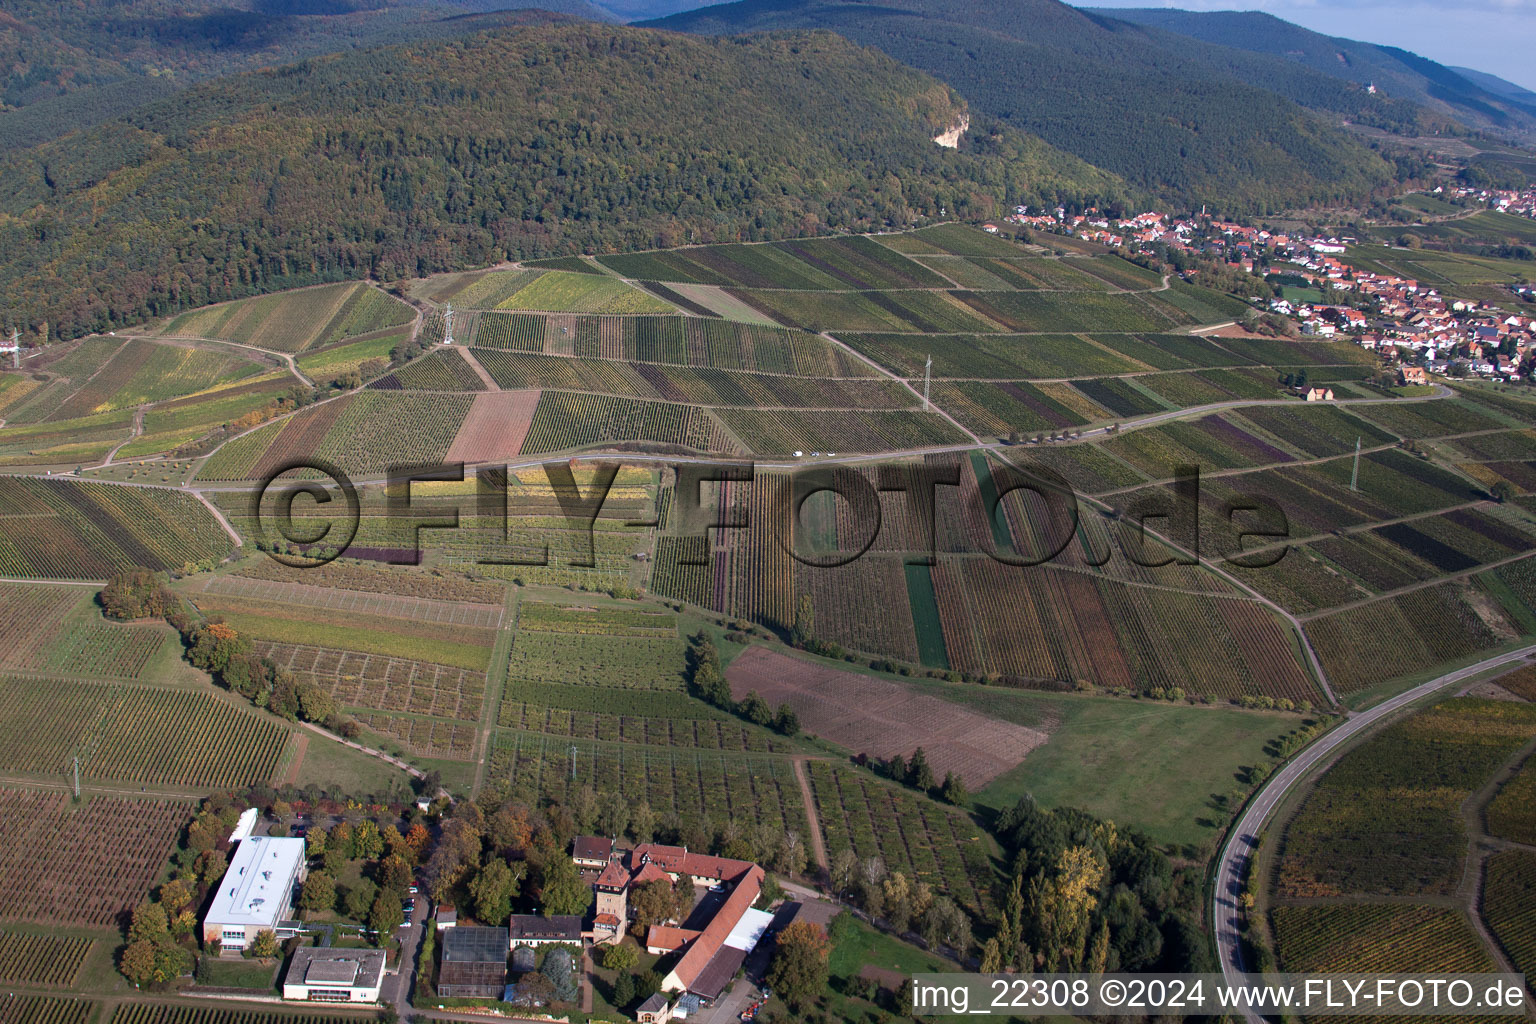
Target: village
{"type": "Point", "coordinates": [1415, 328]}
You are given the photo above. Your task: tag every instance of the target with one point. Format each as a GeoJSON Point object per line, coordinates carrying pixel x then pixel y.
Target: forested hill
{"type": "Point", "coordinates": [514, 143]}
{"type": "Point", "coordinates": [64, 66]}
{"type": "Point", "coordinates": [1393, 71]}
{"type": "Point", "coordinates": [1167, 113]}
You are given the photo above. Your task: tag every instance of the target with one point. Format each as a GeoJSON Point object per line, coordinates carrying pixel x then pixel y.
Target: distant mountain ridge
{"type": "Point", "coordinates": [1391, 69]}
{"type": "Point", "coordinates": [1178, 117]}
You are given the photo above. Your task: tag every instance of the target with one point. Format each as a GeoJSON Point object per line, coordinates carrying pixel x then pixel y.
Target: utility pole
{"type": "Point", "coordinates": [927, 378]}
{"type": "Point", "coordinates": [1354, 477]}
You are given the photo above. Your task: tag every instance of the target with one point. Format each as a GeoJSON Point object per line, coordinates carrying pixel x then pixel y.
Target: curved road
{"type": "Point", "coordinates": [1231, 868]}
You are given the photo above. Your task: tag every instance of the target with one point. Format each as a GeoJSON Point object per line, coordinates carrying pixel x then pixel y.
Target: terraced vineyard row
{"type": "Point", "coordinates": [48, 960]}
{"type": "Point", "coordinates": [84, 530]}
{"type": "Point", "coordinates": [134, 734]}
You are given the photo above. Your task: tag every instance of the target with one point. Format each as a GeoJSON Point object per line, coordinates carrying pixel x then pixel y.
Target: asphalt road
{"type": "Point", "coordinates": [1232, 866]}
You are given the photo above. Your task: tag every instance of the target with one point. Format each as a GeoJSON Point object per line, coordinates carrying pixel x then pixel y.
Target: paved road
{"type": "Point", "coordinates": [1233, 864]}
{"type": "Point", "coordinates": [397, 987]}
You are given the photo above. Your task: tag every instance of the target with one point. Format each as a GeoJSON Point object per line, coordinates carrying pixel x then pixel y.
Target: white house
{"type": "Point", "coordinates": [257, 892]}
{"type": "Point", "coordinates": [325, 975]}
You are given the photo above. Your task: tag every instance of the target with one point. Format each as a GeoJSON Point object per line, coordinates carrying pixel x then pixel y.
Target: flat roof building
{"type": "Point", "coordinates": [257, 892]}
{"type": "Point", "coordinates": [335, 975]}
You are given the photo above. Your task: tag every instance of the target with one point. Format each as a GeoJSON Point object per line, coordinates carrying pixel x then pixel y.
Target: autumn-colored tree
{"type": "Point", "coordinates": [798, 973]}
{"type": "Point", "coordinates": [149, 923]}
{"type": "Point", "coordinates": [367, 843]}
{"type": "Point", "coordinates": [509, 829]}
{"type": "Point", "coordinates": [264, 945]}
{"type": "Point", "coordinates": [174, 896]}
{"type": "Point", "coordinates": [138, 962]}
{"type": "Point", "coordinates": [418, 838]}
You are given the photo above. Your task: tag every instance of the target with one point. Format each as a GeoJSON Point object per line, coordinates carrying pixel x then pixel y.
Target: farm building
{"type": "Point", "coordinates": [257, 892]}
{"type": "Point", "coordinates": [324, 975]}
{"type": "Point", "coordinates": [537, 930]}
{"type": "Point", "coordinates": [474, 963]}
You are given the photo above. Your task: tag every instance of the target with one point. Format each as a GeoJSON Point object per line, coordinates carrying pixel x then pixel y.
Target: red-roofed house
{"type": "Point", "coordinates": [664, 938]}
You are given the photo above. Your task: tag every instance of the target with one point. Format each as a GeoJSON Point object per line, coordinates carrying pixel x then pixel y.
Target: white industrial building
{"type": "Point", "coordinates": [257, 892]}
{"type": "Point", "coordinates": [335, 975]}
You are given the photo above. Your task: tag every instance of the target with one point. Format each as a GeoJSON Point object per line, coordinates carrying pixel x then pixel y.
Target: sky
{"type": "Point", "coordinates": [1495, 36]}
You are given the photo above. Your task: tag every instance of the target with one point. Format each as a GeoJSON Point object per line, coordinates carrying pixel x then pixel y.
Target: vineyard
{"type": "Point", "coordinates": [27, 1009]}
{"type": "Point", "coordinates": [46, 960]}
{"type": "Point", "coordinates": [867, 715]}
{"type": "Point", "coordinates": [561, 291]}
{"type": "Point", "coordinates": [364, 433]}
{"type": "Point", "coordinates": [1211, 442]}
{"type": "Point", "coordinates": [147, 735]}
{"type": "Point", "coordinates": [523, 371]}
{"type": "Point", "coordinates": [1385, 820]}
{"type": "Point", "coordinates": [84, 530]}
{"type": "Point", "coordinates": [55, 868]}
{"type": "Point", "coordinates": [681, 341]}
{"type": "Point", "coordinates": [442, 370]}
{"type": "Point", "coordinates": [1508, 883]}
{"type": "Point", "coordinates": [703, 788]}
{"type": "Point", "coordinates": [1370, 938]}
{"type": "Point", "coordinates": [175, 1013]}
{"type": "Point", "coordinates": [1370, 644]}
{"type": "Point", "coordinates": [145, 371]}
{"type": "Point", "coordinates": [1512, 813]}
{"type": "Point", "coordinates": [296, 320]}
{"type": "Point", "coordinates": [925, 840]}
{"type": "Point", "coordinates": [564, 420]}
{"type": "Point", "coordinates": [874, 312]}
{"type": "Point", "coordinates": [783, 431]}
{"type": "Point", "coordinates": [996, 356]}
{"type": "Point", "coordinates": [1057, 627]}
{"type": "Point", "coordinates": [999, 408]}
{"type": "Point", "coordinates": [1040, 311]}
{"type": "Point", "coordinates": [383, 682]}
